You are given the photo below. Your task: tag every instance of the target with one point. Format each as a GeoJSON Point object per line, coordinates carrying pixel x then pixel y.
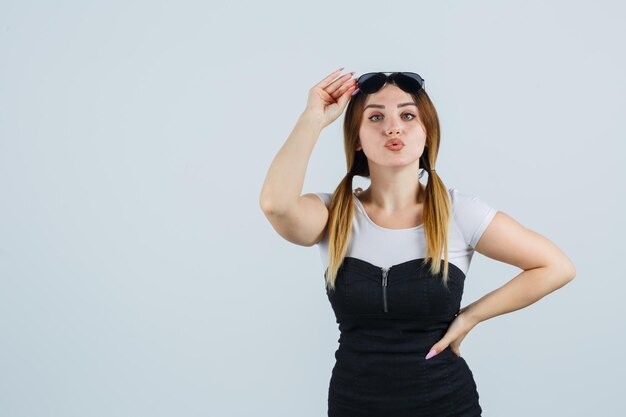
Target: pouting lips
{"type": "Point", "coordinates": [394, 142]}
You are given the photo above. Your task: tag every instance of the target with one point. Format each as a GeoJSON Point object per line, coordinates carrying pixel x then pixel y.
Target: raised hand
{"type": "Point", "coordinates": [328, 98]}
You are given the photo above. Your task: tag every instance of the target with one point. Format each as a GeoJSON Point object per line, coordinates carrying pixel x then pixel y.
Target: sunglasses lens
{"type": "Point", "coordinates": [409, 81]}
{"type": "Point", "coordinates": [371, 82]}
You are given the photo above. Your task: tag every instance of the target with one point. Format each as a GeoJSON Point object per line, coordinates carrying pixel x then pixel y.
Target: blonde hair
{"type": "Point", "coordinates": [437, 204]}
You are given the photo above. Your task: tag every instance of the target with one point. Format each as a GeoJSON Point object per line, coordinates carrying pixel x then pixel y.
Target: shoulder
{"type": "Point", "coordinates": [325, 197]}
{"type": "Point", "coordinates": [462, 200]}
{"type": "Point", "coordinates": [458, 197]}
{"type": "Point", "coordinates": [471, 213]}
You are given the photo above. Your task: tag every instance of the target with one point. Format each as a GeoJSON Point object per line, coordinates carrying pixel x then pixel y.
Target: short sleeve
{"type": "Point", "coordinates": [471, 214]}
{"type": "Point", "coordinates": [325, 197]}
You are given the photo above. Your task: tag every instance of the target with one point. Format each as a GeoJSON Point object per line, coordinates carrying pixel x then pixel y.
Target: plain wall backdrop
{"type": "Point", "coordinates": [138, 274]}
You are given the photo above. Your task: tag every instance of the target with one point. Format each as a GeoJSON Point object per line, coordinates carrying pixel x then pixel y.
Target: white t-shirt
{"type": "Point", "coordinates": [386, 247]}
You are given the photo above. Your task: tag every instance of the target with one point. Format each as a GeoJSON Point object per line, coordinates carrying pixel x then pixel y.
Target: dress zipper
{"type": "Point", "coordinates": [384, 285]}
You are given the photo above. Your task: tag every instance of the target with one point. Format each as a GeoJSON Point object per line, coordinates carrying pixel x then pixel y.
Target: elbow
{"type": "Point", "coordinates": [561, 271]}
{"type": "Point", "coordinates": [568, 272]}
{"type": "Point", "coordinates": [563, 268]}
{"type": "Point", "coordinates": [270, 209]}
{"type": "Point", "coordinates": [264, 204]}
{"type": "Point", "coordinates": [267, 204]}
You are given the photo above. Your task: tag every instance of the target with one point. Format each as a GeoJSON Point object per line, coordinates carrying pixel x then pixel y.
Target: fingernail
{"type": "Point", "coordinates": [355, 92]}
{"type": "Point", "coordinates": [340, 69]}
{"type": "Point", "coordinates": [432, 353]}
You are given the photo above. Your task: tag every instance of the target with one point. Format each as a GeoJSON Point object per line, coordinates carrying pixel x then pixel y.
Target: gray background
{"type": "Point", "coordinates": [138, 274]}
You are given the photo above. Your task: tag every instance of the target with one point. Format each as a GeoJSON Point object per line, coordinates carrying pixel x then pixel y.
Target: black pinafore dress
{"type": "Point", "coordinates": [389, 318]}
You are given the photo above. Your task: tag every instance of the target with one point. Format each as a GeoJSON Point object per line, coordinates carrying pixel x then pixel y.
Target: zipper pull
{"type": "Point", "coordinates": [384, 285]}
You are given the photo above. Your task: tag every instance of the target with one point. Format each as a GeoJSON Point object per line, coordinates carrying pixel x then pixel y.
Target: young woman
{"type": "Point", "coordinates": [397, 254]}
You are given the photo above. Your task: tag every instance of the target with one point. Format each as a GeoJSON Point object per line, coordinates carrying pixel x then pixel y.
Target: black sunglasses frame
{"type": "Point", "coordinates": [371, 82]}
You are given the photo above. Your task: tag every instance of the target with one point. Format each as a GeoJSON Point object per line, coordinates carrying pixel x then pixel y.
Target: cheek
{"type": "Point", "coordinates": [417, 128]}
{"type": "Point", "coordinates": [422, 129]}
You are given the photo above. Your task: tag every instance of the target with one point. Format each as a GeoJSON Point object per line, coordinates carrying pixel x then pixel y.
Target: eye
{"type": "Point", "coordinates": [405, 114]}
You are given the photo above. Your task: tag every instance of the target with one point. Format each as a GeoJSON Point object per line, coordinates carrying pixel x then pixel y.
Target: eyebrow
{"type": "Point", "coordinates": [380, 106]}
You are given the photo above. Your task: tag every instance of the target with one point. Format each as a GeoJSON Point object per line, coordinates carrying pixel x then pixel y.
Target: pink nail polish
{"type": "Point", "coordinates": [355, 92]}
{"type": "Point", "coordinates": [432, 353]}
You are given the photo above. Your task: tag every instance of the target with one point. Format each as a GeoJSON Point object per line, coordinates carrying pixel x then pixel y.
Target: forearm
{"type": "Point", "coordinates": [524, 289]}
{"type": "Point", "coordinates": [285, 177]}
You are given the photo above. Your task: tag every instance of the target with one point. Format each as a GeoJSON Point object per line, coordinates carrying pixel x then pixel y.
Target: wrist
{"type": "Point", "coordinates": [312, 118]}
{"type": "Point", "coordinates": [470, 315]}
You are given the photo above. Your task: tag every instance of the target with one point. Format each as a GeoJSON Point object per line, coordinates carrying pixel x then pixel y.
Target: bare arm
{"type": "Point", "coordinates": [284, 180]}
{"type": "Point", "coordinates": [546, 268]}
{"type": "Point", "coordinates": [302, 219]}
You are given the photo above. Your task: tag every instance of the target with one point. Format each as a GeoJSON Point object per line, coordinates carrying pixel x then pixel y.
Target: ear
{"type": "Point", "coordinates": [358, 145]}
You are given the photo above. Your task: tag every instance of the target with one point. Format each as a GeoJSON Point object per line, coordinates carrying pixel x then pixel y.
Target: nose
{"type": "Point", "coordinates": [394, 127]}
{"type": "Point", "coordinates": [393, 131]}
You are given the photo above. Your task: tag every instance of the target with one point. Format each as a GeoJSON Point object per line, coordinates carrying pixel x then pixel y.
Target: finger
{"type": "Point", "coordinates": [343, 89]}
{"type": "Point", "coordinates": [433, 351]}
{"type": "Point", "coordinates": [345, 97]}
{"type": "Point", "coordinates": [337, 87]}
{"type": "Point", "coordinates": [327, 80]}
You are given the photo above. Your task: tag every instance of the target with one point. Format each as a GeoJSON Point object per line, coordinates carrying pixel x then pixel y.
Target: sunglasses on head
{"type": "Point", "coordinates": [373, 81]}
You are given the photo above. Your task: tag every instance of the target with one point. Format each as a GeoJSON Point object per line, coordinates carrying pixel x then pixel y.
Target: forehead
{"type": "Point", "coordinates": [388, 96]}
